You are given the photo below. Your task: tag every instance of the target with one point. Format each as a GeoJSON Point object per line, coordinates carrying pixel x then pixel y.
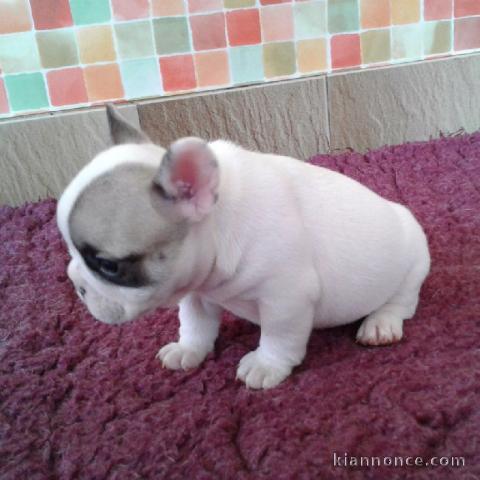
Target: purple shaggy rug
{"type": "Point", "coordinates": [83, 400]}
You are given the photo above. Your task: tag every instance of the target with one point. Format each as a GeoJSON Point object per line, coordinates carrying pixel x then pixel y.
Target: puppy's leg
{"type": "Point", "coordinates": [385, 325]}
{"type": "Point", "coordinates": [285, 330]}
{"type": "Point", "coordinates": [199, 323]}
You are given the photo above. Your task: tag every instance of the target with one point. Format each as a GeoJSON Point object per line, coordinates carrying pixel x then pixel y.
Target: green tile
{"type": "Point", "coordinates": [85, 12]}
{"type": "Point", "coordinates": [406, 42]}
{"type": "Point", "coordinates": [18, 53]}
{"type": "Point", "coordinates": [238, 3]}
{"type": "Point", "coordinates": [437, 37]}
{"type": "Point", "coordinates": [141, 78]}
{"type": "Point", "coordinates": [310, 20]}
{"type": "Point", "coordinates": [134, 39]}
{"type": "Point", "coordinates": [247, 64]}
{"type": "Point", "coordinates": [279, 59]}
{"type": "Point", "coordinates": [171, 35]}
{"type": "Point", "coordinates": [343, 16]}
{"type": "Point", "coordinates": [26, 91]}
{"type": "Point", "coordinates": [57, 48]}
{"type": "Point", "coordinates": [375, 46]}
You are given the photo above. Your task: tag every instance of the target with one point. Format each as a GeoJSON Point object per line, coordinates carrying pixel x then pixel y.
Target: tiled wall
{"type": "Point", "coordinates": [57, 54]}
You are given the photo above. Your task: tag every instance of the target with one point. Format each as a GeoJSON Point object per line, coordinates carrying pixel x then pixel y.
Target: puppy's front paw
{"type": "Point", "coordinates": [257, 373]}
{"type": "Point", "coordinates": [175, 356]}
{"type": "Point", "coordinates": [378, 330]}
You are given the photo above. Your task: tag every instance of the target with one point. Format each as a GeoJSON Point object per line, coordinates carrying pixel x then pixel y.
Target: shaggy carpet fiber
{"type": "Point", "coordinates": [84, 400]}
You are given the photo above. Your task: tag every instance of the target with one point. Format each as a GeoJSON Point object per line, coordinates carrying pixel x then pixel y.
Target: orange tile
{"type": "Point", "coordinates": [243, 27]}
{"type": "Point", "coordinates": [405, 11]}
{"type": "Point", "coordinates": [277, 23]}
{"type": "Point", "coordinates": [312, 55]}
{"type": "Point", "coordinates": [212, 68]}
{"type": "Point", "coordinates": [103, 82]}
{"type": "Point", "coordinates": [375, 13]}
{"type": "Point", "coordinates": [14, 16]}
{"type": "Point", "coordinates": [164, 8]}
{"type": "Point", "coordinates": [465, 8]}
{"type": "Point", "coordinates": [178, 73]}
{"type": "Point", "coordinates": [345, 51]}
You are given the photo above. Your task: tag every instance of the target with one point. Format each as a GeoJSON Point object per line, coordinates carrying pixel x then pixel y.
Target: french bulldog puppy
{"type": "Point", "coordinates": [211, 226]}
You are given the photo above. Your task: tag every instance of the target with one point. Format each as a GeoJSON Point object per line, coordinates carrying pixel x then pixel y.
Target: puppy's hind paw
{"type": "Point", "coordinates": [257, 373]}
{"type": "Point", "coordinates": [175, 356]}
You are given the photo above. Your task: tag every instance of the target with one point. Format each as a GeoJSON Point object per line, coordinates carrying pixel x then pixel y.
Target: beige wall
{"type": "Point", "coordinates": [359, 110]}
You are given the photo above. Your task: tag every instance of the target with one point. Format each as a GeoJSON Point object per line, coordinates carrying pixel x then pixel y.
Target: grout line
{"type": "Point", "coordinates": [327, 101]}
{"type": "Point", "coordinates": [190, 39]}
{"type": "Point", "coordinates": [228, 48]}
{"type": "Point", "coordinates": [35, 46]}
{"type": "Point", "coordinates": [452, 28]}
{"type": "Point", "coordinates": [156, 56]}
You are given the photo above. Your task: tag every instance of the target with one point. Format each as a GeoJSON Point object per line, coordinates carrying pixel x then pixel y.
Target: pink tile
{"type": "Point", "coordinates": [48, 14]}
{"type": "Point", "coordinates": [66, 86]}
{"type": "Point", "coordinates": [208, 31]}
{"type": "Point", "coordinates": [130, 9]}
{"type": "Point", "coordinates": [464, 8]}
{"type": "Point", "coordinates": [438, 9]}
{"type": "Point", "coordinates": [178, 73]}
{"type": "Point", "coordinates": [467, 33]}
{"type": "Point", "coordinates": [277, 23]}
{"type": "Point", "coordinates": [3, 98]}
{"type": "Point", "coordinates": [195, 6]}
{"type": "Point", "coordinates": [244, 27]}
{"type": "Point", "coordinates": [345, 51]}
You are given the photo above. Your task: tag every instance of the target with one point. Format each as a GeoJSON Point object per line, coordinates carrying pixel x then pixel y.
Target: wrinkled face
{"type": "Point", "coordinates": [124, 252]}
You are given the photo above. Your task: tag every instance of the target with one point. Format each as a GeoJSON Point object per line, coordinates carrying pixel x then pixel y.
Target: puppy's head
{"type": "Point", "coordinates": [128, 218]}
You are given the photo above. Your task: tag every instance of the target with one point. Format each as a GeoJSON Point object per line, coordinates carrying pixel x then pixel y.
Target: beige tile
{"type": "Point", "coordinates": [375, 46]}
{"type": "Point", "coordinates": [437, 37]}
{"type": "Point", "coordinates": [95, 44]}
{"type": "Point", "coordinates": [405, 11]}
{"type": "Point", "coordinates": [312, 55]}
{"type": "Point", "coordinates": [288, 118]}
{"type": "Point", "coordinates": [387, 106]}
{"type": "Point", "coordinates": [41, 155]}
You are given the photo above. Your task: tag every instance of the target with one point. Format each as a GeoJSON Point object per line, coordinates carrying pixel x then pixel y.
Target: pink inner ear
{"type": "Point", "coordinates": [185, 174]}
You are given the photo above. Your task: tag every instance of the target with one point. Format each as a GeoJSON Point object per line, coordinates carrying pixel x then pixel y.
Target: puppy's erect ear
{"type": "Point", "coordinates": [186, 183]}
{"type": "Point", "coordinates": [121, 131]}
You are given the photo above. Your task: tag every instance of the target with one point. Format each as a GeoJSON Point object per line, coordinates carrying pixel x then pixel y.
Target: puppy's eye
{"type": "Point", "coordinates": [108, 267]}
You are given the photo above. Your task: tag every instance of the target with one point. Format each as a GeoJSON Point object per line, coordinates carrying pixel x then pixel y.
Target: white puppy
{"type": "Point", "coordinates": [279, 242]}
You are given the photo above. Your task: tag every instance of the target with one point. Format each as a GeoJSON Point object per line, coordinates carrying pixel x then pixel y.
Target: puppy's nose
{"type": "Point", "coordinates": [81, 291]}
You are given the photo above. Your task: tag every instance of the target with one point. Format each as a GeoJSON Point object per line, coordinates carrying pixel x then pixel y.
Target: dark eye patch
{"type": "Point", "coordinates": [126, 271]}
